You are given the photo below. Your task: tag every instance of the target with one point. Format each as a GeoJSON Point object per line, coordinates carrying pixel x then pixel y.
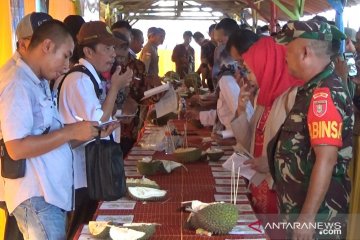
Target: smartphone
{"type": "Point", "coordinates": [103, 125]}
{"type": "Point", "coordinates": [350, 62]}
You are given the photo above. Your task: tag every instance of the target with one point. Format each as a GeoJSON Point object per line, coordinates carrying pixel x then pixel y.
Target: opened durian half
{"type": "Point", "coordinates": [147, 228]}
{"type": "Point", "coordinates": [99, 229]}
{"type": "Point", "coordinates": [157, 166]}
{"type": "Point", "coordinates": [185, 155]}
{"type": "Point", "coordinates": [141, 182]}
{"type": "Point", "coordinates": [214, 154]}
{"type": "Point", "coordinates": [150, 168]}
{"type": "Point", "coordinates": [146, 194]}
{"type": "Point", "coordinates": [217, 218]}
{"type": "Point", "coordinates": [102, 230]}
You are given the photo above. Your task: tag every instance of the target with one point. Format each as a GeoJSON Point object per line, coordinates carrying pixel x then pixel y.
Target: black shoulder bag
{"type": "Point", "coordinates": [105, 173]}
{"type": "Point", "coordinates": [105, 170]}
{"type": "Point", "coordinates": [10, 168]}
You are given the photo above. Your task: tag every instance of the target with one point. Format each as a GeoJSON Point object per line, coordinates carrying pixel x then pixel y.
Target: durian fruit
{"type": "Point", "coordinates": [150, 168]}
{"type": "Point", "coordinates": [121, 233]}
{"type": "Point", "coordinates": [172, 75]}
{"type": "Point", "coordinates": [146, 194]}
{"type": "Point", "coordinates": [141, 182]}
{"type": "Point", "coordinates": [173, 78]}
{"type": "Point", "coordinates": [185, 155]}
{"type": "Point", "coordinates": [217, 218]}
{"type": "Point", "coordinates": [161, 121]}
{"type": "Point", "coordinates": [214, 154]}
{"type": "Point", "coordinates": [99, 229]}
{"type": "Point", "coordinates": [203, 156]}
{"type": "Point", "coordinates": [192, 80]}
{"type": "Point", "coordinates": [147, 228]}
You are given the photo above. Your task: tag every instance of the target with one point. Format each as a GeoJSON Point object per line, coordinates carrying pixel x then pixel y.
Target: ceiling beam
{"type": "Point", "coordinates": [147, 17]}
{"type": "Point", "coordinates": [254, 7]}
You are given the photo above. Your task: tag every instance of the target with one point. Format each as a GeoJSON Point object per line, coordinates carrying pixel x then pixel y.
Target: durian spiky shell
{"type": "Point", "coordinates": [172, 75]}
{"type": "Point", "coordinates": [148, 229]}
{"type": "Point", "coordinates": [192, 80]}
{"type": "Point", "coordinates": [186, 155]}
{"type": "Point", "coordinates": [217, 218]}
{"type": "Point", "coordinates": [150, 168]}
{"type": "Point", "coordinates": [215, 156]}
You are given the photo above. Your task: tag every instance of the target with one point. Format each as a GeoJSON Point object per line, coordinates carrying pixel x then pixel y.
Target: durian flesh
{"type": "Point", "coordinates": [120, 233]}
{"type": "Point", "coordinates": [99, 229]}
{"type": "Point", "coordinates": [146, 194]}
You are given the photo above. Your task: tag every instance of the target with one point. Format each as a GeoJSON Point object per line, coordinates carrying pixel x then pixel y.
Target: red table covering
{"type": "Point", "coordinates": [195, 183]}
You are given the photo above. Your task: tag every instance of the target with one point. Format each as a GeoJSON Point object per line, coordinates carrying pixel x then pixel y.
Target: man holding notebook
{"type": "Point", "coordinates": [83, 95]}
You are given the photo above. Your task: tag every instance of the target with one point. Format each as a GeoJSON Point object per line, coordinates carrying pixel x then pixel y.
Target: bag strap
{"type": "Point", "coordinates": [98, 137]}
{"type": "Point", "coordinates": [83, 69]}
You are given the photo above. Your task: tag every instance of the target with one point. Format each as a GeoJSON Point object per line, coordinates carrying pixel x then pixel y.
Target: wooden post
{"type": "Point", "coordinates": [253, 6]}
{"type": "Point", "coordinates": [273, 18]}
{"type": "Point", "coordinates": [339, 19]}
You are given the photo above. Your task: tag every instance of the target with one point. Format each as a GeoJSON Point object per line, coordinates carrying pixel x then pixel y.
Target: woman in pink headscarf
{"type": "Point", "coordinates": [266, 68]}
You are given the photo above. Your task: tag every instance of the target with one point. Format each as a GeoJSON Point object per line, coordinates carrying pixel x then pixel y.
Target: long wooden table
{"type": "Point", "coordinates": [201, 181]}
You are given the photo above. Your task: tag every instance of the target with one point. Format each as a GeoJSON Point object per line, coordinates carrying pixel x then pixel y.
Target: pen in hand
{"type": "Point", "coordinates": [79, 118]}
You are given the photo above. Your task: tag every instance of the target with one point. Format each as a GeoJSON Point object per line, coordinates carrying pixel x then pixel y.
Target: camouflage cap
{"type": "Point", "coordinates": [310, 30]}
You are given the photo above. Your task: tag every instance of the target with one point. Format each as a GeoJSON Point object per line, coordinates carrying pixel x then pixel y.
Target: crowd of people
{"type": "Point", "coordinates": [288, 100]}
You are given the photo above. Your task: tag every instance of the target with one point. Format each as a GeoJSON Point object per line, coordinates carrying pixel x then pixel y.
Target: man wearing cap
{"type": "Point", "coordinates": [314, 146]}
{"type": "Point", "coordinates": [24, 31]}
{"type": "Point", "coordinates": [79, 99]}
{"type": "Point", "coordinates": [32, 131]}
{"type": "Point", "coordinates": [184, 56]}
{"type": "Point", "coordinates": [149, 54]}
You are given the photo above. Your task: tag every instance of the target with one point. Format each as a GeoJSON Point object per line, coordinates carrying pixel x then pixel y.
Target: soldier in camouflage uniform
{"type": "Point", "coordinates": [314, 146]}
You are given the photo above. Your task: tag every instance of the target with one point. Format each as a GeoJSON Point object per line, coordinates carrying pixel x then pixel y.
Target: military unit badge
{"type": "Point", "coordinates": [320, 107]}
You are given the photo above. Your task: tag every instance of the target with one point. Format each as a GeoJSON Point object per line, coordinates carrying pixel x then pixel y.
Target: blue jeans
{"type": "Point", "coordinates": [40, 220]}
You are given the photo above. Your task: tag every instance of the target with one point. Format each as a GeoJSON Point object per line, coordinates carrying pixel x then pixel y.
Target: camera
{"type": "Point", "coordinates": [350, 62]}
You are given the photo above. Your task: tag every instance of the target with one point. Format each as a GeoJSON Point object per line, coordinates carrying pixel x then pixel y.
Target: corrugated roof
{"type": "Point", "coordinates": [134, 9]}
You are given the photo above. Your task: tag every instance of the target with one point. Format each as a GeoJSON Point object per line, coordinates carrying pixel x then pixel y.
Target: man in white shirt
{"type": "Point", "coordinates": [78, 100]}
{"type": "Point", "coordinates": [40, 198]}
{"type": "Point", "coordinates": [24, 31]}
